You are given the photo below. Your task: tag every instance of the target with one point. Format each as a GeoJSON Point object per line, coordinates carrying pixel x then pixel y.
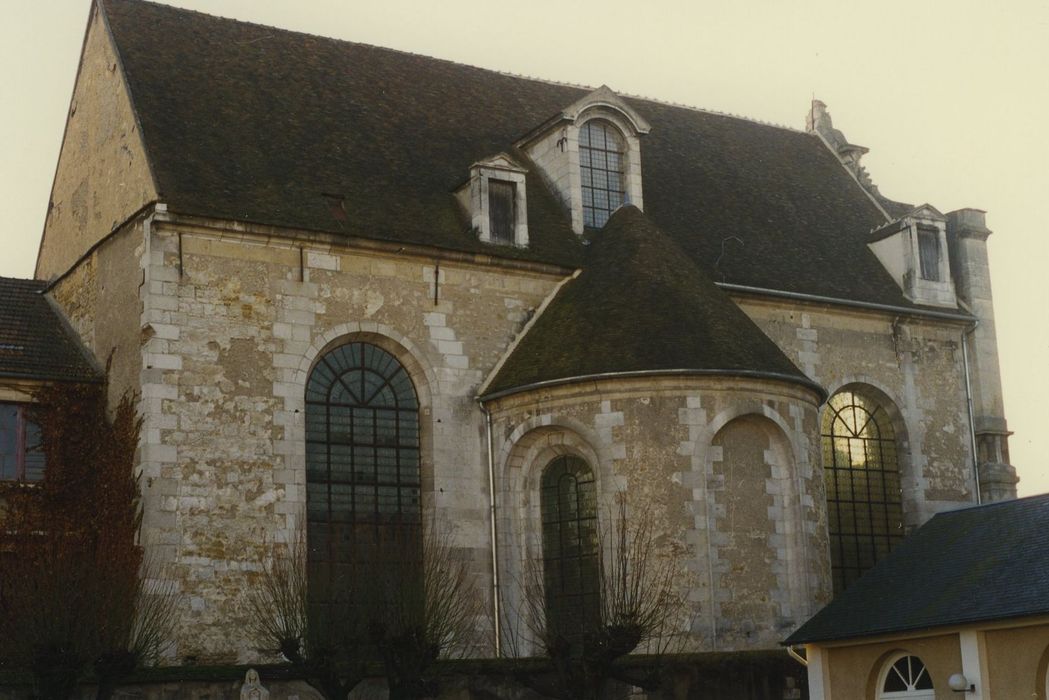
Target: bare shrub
{"type": "Point", "coordinates": [400, 612]}
{"type": "Point", "coordinates": [643, 609]}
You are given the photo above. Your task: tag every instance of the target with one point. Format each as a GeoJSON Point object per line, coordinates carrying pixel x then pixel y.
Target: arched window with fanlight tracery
{"type": "Point", "coordinates": [362, 468]}
{"type": "Point", "coordinates": [906, 678]}
{"type": "Point", "coordinates": [862, 478]}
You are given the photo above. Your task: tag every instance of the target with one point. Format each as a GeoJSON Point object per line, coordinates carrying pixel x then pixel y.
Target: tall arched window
{"type": "Point", "coordinates": [362, 467]}
{"type": "Point", "coordinates": [601, 156]}
{"type": "Point", "coordinates": [571, 577]}
{"type": "Point", "coordinates": [906, 678]}
{"type": "Point", "coordinates": [862, 475]}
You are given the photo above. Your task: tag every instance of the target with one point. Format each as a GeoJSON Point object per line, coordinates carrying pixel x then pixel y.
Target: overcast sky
{"type": "Point", "coordinates": [951, 96]}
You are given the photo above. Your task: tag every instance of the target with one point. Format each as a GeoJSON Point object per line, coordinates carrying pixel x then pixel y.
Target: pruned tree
{"type": "Point", "coordinates": [421, 607]}
{"type": "Point", "coordinates": [398, 613]}
{"type": "Point", "coordinates": [641, 589]}
{"type": "Point", "coordinates": [327, 646]}
{"type": "Point", "coordinates": [73, 587]}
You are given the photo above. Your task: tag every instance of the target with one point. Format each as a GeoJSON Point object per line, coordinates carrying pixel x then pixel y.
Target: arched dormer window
{"type": "Point", "coordinates": [862, 476]}
{"type": "Point", "coordinates": [590, 154]}
{"type": "Point", "coordinates": [602, 155]}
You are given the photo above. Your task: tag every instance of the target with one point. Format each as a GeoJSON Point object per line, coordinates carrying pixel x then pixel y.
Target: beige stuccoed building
{"type": "Point", "coordinates": [958, 611]}
{"type": "Point", "coordinates": [313, 258]}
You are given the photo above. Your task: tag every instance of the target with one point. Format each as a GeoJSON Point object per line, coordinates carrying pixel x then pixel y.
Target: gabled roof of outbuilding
{"type": "Point", "coordinates": [34, 341]}
{"type": "Point", "coordinates": [975, 564]}
{"type": "Point", "coordinates": [257, 124]}
{"type": "Point", "coordinates": [640, 305]}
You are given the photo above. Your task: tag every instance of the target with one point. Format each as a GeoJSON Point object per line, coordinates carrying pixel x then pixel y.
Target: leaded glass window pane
{"type": "Point", "coordinates": [864, 504]}
{"type": "Point", "coordinates": [568, 510]}
{"type": "Point", "coordinates": [362, 468]}
{"type": "Point", "coordinates": [601, 157]}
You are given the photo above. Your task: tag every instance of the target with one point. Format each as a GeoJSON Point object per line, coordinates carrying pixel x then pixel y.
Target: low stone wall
{"type": "Point", "coordinates": [754, 675]}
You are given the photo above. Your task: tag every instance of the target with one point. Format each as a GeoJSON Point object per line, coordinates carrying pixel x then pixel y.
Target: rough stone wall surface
{"type": "Point", "coordinates": [231, 324]}
{"type": "Point", "coordinates": [100, 300]}
{"type": "Point", "coordinates": [913, 366]}
{"type": "Point", "coordinates": [103, 176]}
{"type": "Point", "coordinates": [756, 561]}
{"type": "Point", "coordinates": [232, 339]}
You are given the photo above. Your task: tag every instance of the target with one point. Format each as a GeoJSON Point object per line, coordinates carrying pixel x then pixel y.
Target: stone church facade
{"type": "Point", "coordinates": [233, 204]}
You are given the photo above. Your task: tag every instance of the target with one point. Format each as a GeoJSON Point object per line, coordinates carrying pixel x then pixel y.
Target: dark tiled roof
{"type": "Point", "coordinates": [895, 209]}
{"type": "Point", "coordinates": [252, 123]}
{"type": "Point", "coordinates": [979, 563]}
{"type": "Point", "coordinates": [34, 342]}
{"type": "Point", "coordinates": [639, 305]}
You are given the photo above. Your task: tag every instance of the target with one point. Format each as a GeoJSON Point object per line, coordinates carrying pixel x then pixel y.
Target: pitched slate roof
{"type": "Point", "coordinates": [34, 342]}
{"type": "Point", "coordinates": [979, 563]}
{"type": "Point", "coordinates": [640, 305]}
{"type": "Point", "coordinates": [252, 123]}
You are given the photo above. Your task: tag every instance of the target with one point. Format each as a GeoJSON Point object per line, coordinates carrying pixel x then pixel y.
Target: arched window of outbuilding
{"type": "Point", "coordinates": [571, 577]}
{"type": "Point", "coordinates": [602, 152]}
{"type": "Point", "coordinates": [862, 477]}
{"type": "Point", "coordinates": [906, 678]}
{"type": "Point", "coordinates": [362, 468]}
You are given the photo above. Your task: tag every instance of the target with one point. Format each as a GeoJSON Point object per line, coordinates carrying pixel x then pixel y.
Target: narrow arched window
{"type": "Point", "coordinates": [362, 467]}
{"type": "Point", "coordinates": [906, 678]}
{"type": "Point", "coordinates": [601, 155]}
{"type": "Point", "coordinates": [571, 577]}
{"type": "Point", "coordinates": [862, 476]}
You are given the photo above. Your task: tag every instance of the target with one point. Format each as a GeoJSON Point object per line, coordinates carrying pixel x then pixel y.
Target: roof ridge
{"type": "Point", "coordinates": [975, 506]}
{"type": "Point", "coordinates": [27, 280]}
{"type": "Point", "coordinates": [715, 112]}
{"type": "Point", "coordinates": [507, 73]}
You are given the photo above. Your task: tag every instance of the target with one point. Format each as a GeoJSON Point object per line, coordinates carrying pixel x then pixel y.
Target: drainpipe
{"type": "Point", "coordinates": [796, 656]}
{"type": "Point", "coordinates": [969, 401]}
{"type": "Point", "coordinates": [494, 532]}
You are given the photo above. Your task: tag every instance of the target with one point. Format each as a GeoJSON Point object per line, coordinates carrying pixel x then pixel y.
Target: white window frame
{"type": "Point", "coordinates": [902, 694]}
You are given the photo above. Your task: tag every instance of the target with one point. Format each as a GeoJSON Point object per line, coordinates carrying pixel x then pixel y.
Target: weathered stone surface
{"type": "Point", "coordinates": [103, 176]}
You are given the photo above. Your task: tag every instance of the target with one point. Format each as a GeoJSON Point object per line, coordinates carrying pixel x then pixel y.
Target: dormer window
{"type": "Point", "coordinates": [590, 155]}
{"type": "Point", "coordinates": [913, 248]}
{"type": "Point", "coordinates": [501, 197]}
{"type": "Point", "coordinates": [495, 199]}
{"type": "Point", "coordinates": [929, 252]}
{"type": "Point", "coordinates": [601, 159]}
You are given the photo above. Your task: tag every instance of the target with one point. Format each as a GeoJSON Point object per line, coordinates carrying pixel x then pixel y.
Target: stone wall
{"type": "Point", "coordinates": [219, 326]}
{"type": "Point", "coordinates": [231, 339]}
{"type": "Point", "coordinates": [914, 366]}
{"type": "Point", "coordinates": [726, 466]}
{"type": "Point", "coordinates": [103, 176]}
{"type": "Point", "coordinates": [100, 299]}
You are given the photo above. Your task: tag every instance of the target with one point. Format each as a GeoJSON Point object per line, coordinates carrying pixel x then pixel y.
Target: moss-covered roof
{"type": "Point", "coordinates": [262, 125]}
{"type": "Point", "coordinates": [640, 305]}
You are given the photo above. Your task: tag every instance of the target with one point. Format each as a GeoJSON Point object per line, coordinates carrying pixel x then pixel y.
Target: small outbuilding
{"type": "Point", "coordinates": [960, 609]}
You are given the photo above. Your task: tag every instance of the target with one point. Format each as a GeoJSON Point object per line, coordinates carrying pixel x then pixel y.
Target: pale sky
{"type": "Point", "coordinates": [951, 96]}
